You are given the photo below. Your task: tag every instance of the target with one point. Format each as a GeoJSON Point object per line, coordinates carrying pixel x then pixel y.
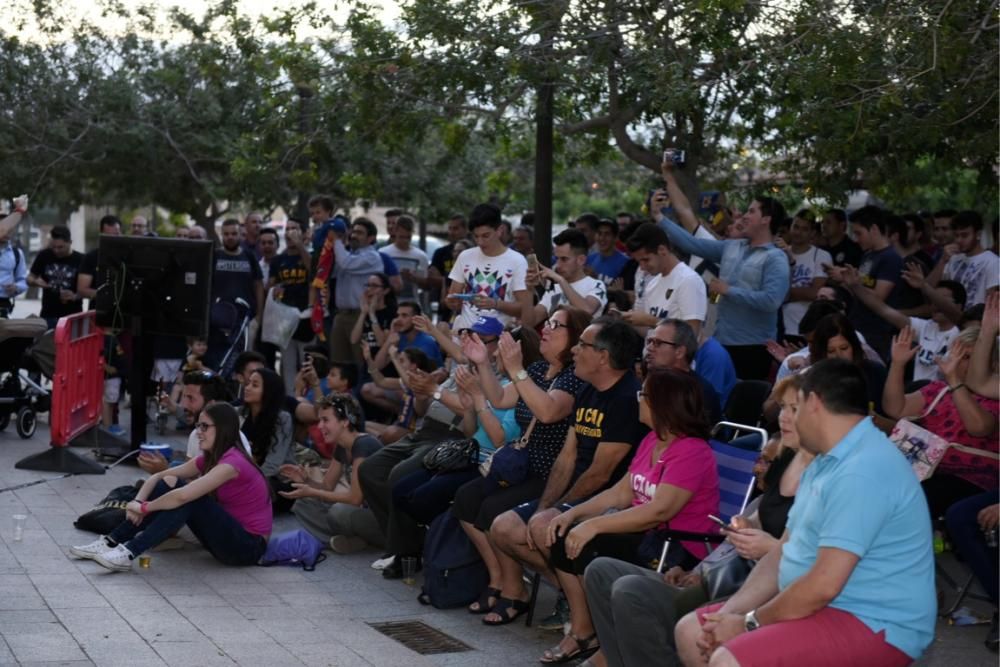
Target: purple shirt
{"type": "Point", "coordinates": [247, 497]}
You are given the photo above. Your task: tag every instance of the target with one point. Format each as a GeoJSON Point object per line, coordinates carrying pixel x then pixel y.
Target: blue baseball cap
{"type": "Point", "coordinates": [487, 326]}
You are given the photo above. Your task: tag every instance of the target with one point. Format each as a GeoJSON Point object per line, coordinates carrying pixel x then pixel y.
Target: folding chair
{"type": "Point", "coordinates": [735, 460]}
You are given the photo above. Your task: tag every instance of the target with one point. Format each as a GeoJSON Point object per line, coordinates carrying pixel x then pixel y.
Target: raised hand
{"type": "Point", "coordinates": [421, 323]}
{"type": "Point", "coordinates": [474, 349]}
{"type": "Point", "coordinates": [510, 352]}
{"type": "Point", "coordinates": [957, 352]}
{"type": "Point", "coordinates": [903, 349]}
{"type": "Point", "coordinates": [913, 274]}
{"type": "Point", "coordinates": [468, 382]}
{"type": "Point", "coordinates": [991, 315]}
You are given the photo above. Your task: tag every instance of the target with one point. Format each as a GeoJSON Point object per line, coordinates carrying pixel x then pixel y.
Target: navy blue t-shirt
{"type": "Point", "coordinates": [607, 416]}
{"type": "Point", "coordinates": [289, 272]}
{"type": "Point", "coordinates": [235, 276]}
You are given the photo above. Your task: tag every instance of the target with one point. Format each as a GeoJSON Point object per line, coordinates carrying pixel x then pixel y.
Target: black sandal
{"type": "Point", "coordinates": [504, 605]}
{"type": "Point", "coordinates": [583, 650]}
{"type": "Point", "coordinates": [483, 605]}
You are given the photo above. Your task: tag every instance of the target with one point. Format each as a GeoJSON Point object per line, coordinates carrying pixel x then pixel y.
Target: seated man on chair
{"type": "Point", "coordinates": [596, 454]}
{"type": "Point", "coordinates": [852, 580]}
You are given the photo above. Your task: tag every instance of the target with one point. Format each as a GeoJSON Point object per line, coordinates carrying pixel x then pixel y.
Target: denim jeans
{"type": "Point", "coordinates": [969, 542]}
{"type": "Point", "coordinates": [215, 528]}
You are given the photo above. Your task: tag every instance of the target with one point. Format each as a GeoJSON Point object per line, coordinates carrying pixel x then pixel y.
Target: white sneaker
{"type": "Point", "coordinates": [347, 544]}
{"type": "Point", "coordinates": [383, 562]}
{"type": "Point", "coordinates": [118, 559]}
{"type": "Point", "coordinates": [92, 550]}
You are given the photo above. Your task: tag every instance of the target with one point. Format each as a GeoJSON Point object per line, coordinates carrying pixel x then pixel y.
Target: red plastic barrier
{"type": "Point", "coordinates": [78, 381]}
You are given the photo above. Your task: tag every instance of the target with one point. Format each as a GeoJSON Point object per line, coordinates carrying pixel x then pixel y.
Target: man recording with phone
{"type": "Point", "coordinates": [566, 281]}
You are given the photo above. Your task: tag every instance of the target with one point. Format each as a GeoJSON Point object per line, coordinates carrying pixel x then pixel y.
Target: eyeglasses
{"type": "Point", "coordinates": [489, 339]}
{"type": "Point", "coordinates": [583, 343]}
{"type": "Point", "coordinates": [379, 285]}
{"type": "Point", "coordinates": [640, 395]}
{"type": "Point", "coordinates": [657, 343]}
{"type": "Point", "coordinates": [555, 325]}
{"type": "Point", "coordinates": [203, 426]}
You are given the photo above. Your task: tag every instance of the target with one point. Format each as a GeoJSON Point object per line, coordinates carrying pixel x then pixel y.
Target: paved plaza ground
{"type": "Point", "coordinates": [187, 610]}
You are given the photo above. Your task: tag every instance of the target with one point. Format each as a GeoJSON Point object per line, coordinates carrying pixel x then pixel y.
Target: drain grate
{"type": "Point", "coordinates": [420, 637]}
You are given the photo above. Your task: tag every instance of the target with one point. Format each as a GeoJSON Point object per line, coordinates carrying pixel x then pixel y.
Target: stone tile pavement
{"type": "Point", "coordinates": [189, 610]}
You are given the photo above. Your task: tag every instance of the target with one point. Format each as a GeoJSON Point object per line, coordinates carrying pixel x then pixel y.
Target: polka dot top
{"type": "Point", "coordinates": [546, 439]}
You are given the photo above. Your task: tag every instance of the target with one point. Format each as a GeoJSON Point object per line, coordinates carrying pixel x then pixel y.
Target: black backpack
{"type": "Point", "coordinates": [454, 573]}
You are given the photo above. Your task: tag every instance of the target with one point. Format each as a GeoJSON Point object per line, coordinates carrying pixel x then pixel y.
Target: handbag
{"type": "Point", "coordinates": [452, 456]}
{"type": "Point", "coordinates": [723, 571]}
{"type": "Point", "coordinates": [509, 465]}
{"type": "Point", "coordinates": [923, 449]}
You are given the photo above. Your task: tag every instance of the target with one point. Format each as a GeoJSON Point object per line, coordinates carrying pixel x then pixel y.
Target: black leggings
{"type": "Point", "coordinates": [477, 502]}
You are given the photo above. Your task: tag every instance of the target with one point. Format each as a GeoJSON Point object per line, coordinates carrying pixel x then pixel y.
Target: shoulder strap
{"type": "Point", "coordinates": [975, 452]}
{"type": "Point", "coordinates": [937, 399]}
{"type": "Point", "coordinates": [523, 440]}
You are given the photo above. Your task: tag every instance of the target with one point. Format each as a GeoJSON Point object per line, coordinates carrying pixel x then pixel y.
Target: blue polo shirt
{"type": "Point", "coordinates": [862, 497]}
{"type": "Point", "coordinates": [424, 342]}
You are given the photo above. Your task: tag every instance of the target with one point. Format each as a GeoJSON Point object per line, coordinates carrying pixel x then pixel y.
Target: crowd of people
{"type": "Point", "coordinates": [603, 376]}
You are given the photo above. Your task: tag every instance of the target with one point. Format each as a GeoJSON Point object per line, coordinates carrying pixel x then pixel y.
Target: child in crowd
{"type": "Point", "coordinates": [404, 362]}
{"type": "Point", "coordinates": [115, 367]}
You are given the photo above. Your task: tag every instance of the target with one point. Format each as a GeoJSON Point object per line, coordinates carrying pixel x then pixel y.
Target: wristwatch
{"type": "Point", "coordinates": [750, 621]}
{"type": "Point", "coordinates": [520, 376]}
{"type": "Point", "coordinates": [437, 393]}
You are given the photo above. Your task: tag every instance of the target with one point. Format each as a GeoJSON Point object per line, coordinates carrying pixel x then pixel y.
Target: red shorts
{"type": "Point", "coordinates": [828, 638]}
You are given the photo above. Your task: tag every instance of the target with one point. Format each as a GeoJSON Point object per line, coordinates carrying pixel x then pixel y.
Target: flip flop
{"type": "Point", "coordinates": [556, 655]}
{"type": "Point", "coordinates": [483, 603]}
{"type": "Point", "coordinates": [504, 605]}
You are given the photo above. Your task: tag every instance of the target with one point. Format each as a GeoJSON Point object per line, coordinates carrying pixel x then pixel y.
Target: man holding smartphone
{"type": "Point", "coordinates": [567, 283]}
{"type": "Point", "coordinates": [852, 580]}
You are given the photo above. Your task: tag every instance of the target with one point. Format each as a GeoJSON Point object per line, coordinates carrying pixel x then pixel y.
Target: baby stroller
{"type": "Point", "coordinates": [230, 330]}
{"type": "Point", "coordinates": [24, 356]}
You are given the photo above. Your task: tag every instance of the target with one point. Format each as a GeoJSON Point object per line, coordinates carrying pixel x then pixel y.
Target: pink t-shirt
{"type": "Point", "coordinates": [247, 497]}
{"type": "Point", "coordinates": [688, 463]}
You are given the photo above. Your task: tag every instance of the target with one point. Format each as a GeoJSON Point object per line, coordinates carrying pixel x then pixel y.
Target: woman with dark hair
{"type": "Point", "coordinates": [221, 495]}
{"type": "Point", "coordinates": [835, 337]}
{"type": "Point", "coordinates": [268, 428]}
{"type": "Point", "coordinates": [542, 396]}
{"type": "Point", "coordinates": [672, 480]}
{"type": "Point", "coordinates": [378, 309]}
{"type": "Point", "coordinates": [423, 494]}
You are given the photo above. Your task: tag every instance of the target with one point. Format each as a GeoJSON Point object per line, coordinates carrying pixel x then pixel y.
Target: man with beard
{"type": "Point", "coordinates": [237, 276]}
{"type": "Point", "coordinates": [54, 271]}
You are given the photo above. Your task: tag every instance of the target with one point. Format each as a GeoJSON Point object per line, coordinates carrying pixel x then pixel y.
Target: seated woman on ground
{"type": "Point", "coordinates": [268, 427]}
{"type": "Point", "coordinates": [672, 480]}
{"type": "Point", "coordinates": [228, 506]}
{"type": "Point", "coordinates": [960, 416]}
{"type": "Point", "coordinates": [330, 503]}
{"type": "Point", "coordinates": [423, 494]}
{"type": "Point", "coordinates": [406, 422]}
{"type": "Point", "coordinates": [548, 395]}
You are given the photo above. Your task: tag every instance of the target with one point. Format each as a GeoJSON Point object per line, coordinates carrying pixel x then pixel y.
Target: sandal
{"type": "Point", "coordinates": [583, 650]}
{"type": "Point", "coordinates": [483, 605]}
{"type": "Point", "coordinates": [504, 605]}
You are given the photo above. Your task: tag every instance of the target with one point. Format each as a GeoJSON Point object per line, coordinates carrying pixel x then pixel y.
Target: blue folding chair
{"type": "Point", "coordinates": [735, 460]}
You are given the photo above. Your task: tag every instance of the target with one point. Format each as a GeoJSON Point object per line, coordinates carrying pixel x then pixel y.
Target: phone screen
{"type": "Point", "coordinates": [532, 262]}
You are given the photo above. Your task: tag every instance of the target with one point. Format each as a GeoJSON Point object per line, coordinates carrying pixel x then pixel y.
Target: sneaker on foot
{"type": "Point", "coordinates": [383, 562]}
{"type": "Point", "coordinates": [559, 616]}
{"type": "Point", "coordinates": [347, 544]}
{"type": "Point", "coordinates": [118, 559]}
{"type": "Point", "coordinates": [98, 546]}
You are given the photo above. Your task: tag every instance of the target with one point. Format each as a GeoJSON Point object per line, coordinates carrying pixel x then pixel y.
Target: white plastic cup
{"type": "Point", "coordinates": [19, 521]}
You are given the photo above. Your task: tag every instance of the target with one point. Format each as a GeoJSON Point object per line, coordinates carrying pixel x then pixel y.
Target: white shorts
{"type": "Point", "coordinates": [166, 370]}
{"type": "Point", "coordinates": [112, 390]}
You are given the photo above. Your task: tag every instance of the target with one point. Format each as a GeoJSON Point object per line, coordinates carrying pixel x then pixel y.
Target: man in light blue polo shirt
{"type": "Point", "coordinates": [853, 580]}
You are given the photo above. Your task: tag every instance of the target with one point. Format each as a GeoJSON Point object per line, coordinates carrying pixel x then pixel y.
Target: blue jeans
{"type": "Point", "coordinates": [968, 539]}
{"type": "Point", "coordinates": [423, 495]}
{"type": "Point", "coordinates": [215, 528]}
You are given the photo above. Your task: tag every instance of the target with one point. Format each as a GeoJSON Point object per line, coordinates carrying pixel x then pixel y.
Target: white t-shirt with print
{"type": "Point", "coordinates": [493, 277]}
{"type": "Point", "coordinates": [977, 274]}
{"type": "Point", "coordinates": [680, 294]}
{"type": "Point", "coordinates": [586, 286]}
{"type": "Point", "coordinates": [413, 259]}
{"type": "Point", "coordinates": [808, 267]}
{"type": "Point", "coordinates": [933, 342]}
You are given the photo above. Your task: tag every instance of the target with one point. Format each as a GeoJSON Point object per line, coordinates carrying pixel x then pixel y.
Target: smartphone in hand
{"type": "Point", "coordinates": [722, 524]}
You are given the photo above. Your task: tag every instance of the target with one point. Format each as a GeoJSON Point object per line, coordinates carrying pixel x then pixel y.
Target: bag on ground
{"type": "Point", "coordinates": [108, 513]}
{"type": "Point", "coordinates": [454, 573]}
{"type": "Point", "coordinates": [298, 547]}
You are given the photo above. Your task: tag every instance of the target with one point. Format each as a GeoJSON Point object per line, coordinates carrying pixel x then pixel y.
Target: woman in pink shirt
{"type": "Point", "coordinates": [673, 479]}
{"type": "Point", "coordinates": [221, 494]}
